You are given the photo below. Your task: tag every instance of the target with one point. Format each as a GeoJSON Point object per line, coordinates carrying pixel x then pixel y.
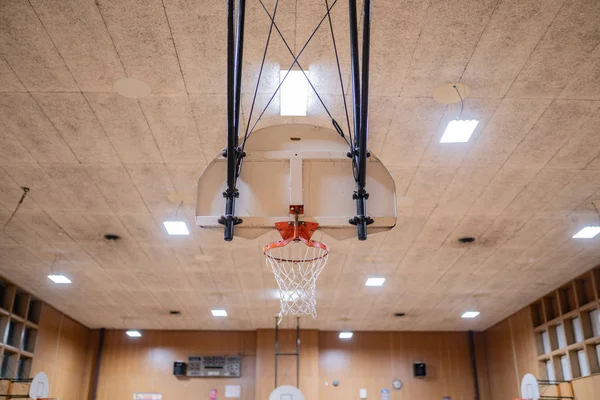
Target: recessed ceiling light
{"type": "Point", "coordinates": [133, 334]}
{"type": "Point", "coordinates": [294, 93]}
{"type": "Point", "coordinates": [59, 279]}
{"type": "Point", "coordinates": [132, 88]}
{"type": "Point", "coordinates": [587, 233]}
{"type": "Point", "coordinates": [375, 282]}
{"type": "Point", "coordinates": [112, 237]}
{"type": "Point", "coordinates": [176, 228]}
{"type": "Point", "coordinates": [219, 313]}
{"type": "Point", "coordinates": [346, 335]}
{"type": "Point", "coordinates": [459, 131]}
{"type": "Point", "coordinates": [470, 314]}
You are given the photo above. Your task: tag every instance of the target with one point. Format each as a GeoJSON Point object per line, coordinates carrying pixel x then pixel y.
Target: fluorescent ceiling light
{"type": "Point", "coordinates": [587, 233]}
{"type": "Point", "coordinates": [375, 282]}
{"type": "Point", "coordinates": [219, 313]}
{"type": "Point", "coordinates": [133, 333]}
{"type": "Point", "coordinates": [470, 314]}
{"type": "Point", "coordinates": [59, 279]}
{"type": "Point", "coordinates": [294, 93]}
{"type": "Point", "coordinates": [346, 335]}
{"type": "Point", "coordinates": [459, 131]}
{"type": "Point", "coordinates": [176, 228]}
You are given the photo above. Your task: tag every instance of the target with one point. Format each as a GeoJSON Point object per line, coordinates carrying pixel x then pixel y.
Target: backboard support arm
{"type": "Point", "coordinates": [360, 97]}
{"type": "Point", "coordinates": [235, 51]}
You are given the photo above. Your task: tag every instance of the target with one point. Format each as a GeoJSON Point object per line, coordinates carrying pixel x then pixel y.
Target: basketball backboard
{"type": "Point", "coordinates": [296, 165]}
{"type": "Point", "coordinates": [286, 392]}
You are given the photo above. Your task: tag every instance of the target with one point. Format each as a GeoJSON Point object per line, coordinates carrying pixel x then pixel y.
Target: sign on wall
{"type": "Point", "coordinates": [147, 396]}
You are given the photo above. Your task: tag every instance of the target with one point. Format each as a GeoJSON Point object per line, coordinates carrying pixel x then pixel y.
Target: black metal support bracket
{"type": "Point", "coordinates": [235, 51]}
{"type": "Point", "coordinates": [360, 98]}
{"type": "Point", "coordinates": [296, 354]}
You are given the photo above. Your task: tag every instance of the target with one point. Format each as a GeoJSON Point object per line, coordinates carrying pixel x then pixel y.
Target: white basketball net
{"type": "Point", "coordinates": [296, 268]}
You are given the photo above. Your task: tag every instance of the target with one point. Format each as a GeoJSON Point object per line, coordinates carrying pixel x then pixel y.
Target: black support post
{"type": "Point", "coordinates": [360, 94]}
{"type": "Point", "coordinates": [235, 50]}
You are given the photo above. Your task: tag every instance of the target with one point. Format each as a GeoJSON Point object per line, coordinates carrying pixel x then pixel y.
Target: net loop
{"type": "Point", "coordinates": [296, 262]}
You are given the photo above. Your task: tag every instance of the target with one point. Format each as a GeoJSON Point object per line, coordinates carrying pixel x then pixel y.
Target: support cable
{"type": "Point", "coordinates": [290, 68]}
{"type": "Point", "coordinates": [337, 60]}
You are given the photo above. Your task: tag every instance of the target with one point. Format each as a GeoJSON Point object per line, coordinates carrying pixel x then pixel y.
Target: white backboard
{"type": "Point", "coordinates": [291, 165]}
{"type": "Point", "coordinates": [286, 392]}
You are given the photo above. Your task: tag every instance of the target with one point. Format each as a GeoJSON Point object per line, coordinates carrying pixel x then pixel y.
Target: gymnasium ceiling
{"type": "Point", "coordinates": [97, 162]}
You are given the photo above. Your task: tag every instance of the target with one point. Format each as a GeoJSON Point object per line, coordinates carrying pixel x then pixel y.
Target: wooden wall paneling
{"type": "Point", "coordinates": [587, 388]}
{"type": "Point", "coordinates": [372, 360]}
{"type": "Point", "coordinates": [265, 361]}
{"type": "Point", "coordinates": [362, 362]}
{"type": "Point", "coordinates": [146, 364]}
{"type": "Point", "coordinates": [482, 366]}
{"type": "Point", "coordinates": [524, 342]}
{"type": "Point", "coordinates": [501, 362]}
{"type": "Point", "coordinates": [62, 352]}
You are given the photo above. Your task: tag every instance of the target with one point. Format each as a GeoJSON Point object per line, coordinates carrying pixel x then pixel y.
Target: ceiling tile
{"type": "Point", "coordinates": [172, 123]}
{"type": "Point", "coordinates": [567, 44]}
{"type": "Point", "coordinates": [9, 82]}
{"type": "Point", "coordinates": [512, 33]}
{"type": "Point", "coordinates": [511, 121]}
{"type": "Point", "coordinates": [117, 188]}
{"type": "Point", "coordinates": [77, 185]}
{"type": "Point", "coordinates": [449, 36]}
{"type": "Point", "coordinates": [559, 123]}
{"type": "Point", "coordinates": [72, 116]}
{"type": "Point", "coordinates": [124, 122]}
{"type": "Point", "coordinates": [91, 58]}
{"type": "Point", "coordinates": [24, 119]}
{"type": "Point", "coordinates": [142, 37]}
{"type": "Point", "coordinates": [29, 50]}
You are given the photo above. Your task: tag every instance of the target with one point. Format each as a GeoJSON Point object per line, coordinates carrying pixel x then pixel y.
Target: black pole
{"type": "Point", "coordinates": [98, 363]}
{"type": "Point", "coordinates": [355, 69]}
{"type": "Point", "coordinates": [474, 363]}
{"type": "Point", "coordinates": [360, 95]}
{"type": "Point", "coordinates": [298, 352]}
{"type": "Point", "coordinates": [239, 48]}
{"type": "Point", "coordinates": [276, 347]}
{"type": "Point", "coordinates": [230, 193]}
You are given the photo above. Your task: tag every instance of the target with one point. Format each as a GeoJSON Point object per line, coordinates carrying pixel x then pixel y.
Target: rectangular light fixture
{"type": "Point", "coordinates": [375, 282]}
{"type": "Point", "coordinates": [176, 228]}
{"type": "Point", "coordinates": [293, 93]}
{"type": "Point", "coordinates": [219, 313]}
{"type": "Point", "coordinates": [133, 333]}
{"type": "Point", "coordinates": [346, 335]}
{"type": "Point", "coordinates": [459, 131]}
{"type": "Point", "coordinates": [470, 314]}
{"type": "Point", "coordinates": [587, 233]}
{"type": "Point", "coordinates": [59, 279]}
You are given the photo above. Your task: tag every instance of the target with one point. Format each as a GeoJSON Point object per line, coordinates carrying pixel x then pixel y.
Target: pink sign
{"type": "Point", "coordinates": [213, 394]}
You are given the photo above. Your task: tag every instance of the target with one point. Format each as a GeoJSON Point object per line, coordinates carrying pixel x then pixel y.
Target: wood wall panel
{"type": "Point", "coordinates": [64, 352]}
{"type": "Point", "coordinates": [523, 338]}
{"type": "Point", "coordinates": [501, 362]}
{"type": "Point", "coordinates": [309, 362]}
{"type": "Point", "coordinates": [372, 360]}
{"type": "Point", "coordinates": [510, 351]}
{"type": "Point", "coordinates": [146, 364]}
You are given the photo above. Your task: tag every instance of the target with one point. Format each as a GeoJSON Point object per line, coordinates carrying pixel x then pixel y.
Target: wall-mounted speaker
{"type": "Point", "coordinates": [179, 368]}
{"type": "Point", "coordinates": [420, 370]}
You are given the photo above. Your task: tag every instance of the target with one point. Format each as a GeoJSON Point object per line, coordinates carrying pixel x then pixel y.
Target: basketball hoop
{"type": "Point", "coordinates": [296, 261]}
